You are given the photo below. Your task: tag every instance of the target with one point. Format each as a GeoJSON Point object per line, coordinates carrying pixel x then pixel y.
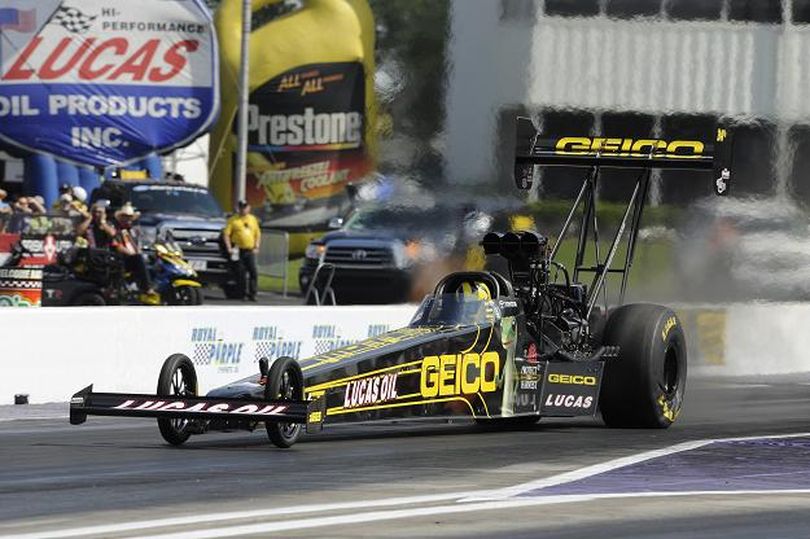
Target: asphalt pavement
{"type": "Point", "coordinates": [116, 478]}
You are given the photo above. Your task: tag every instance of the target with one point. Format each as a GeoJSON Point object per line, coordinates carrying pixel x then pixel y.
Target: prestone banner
{"type": "Point", "coordinates": [106, 82]}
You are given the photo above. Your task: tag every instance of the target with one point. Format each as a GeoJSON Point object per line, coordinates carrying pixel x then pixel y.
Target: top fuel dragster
{"type": "Point", "coordinates": [494, 348]}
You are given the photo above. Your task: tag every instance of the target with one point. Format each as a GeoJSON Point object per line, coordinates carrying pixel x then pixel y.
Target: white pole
{"type": "Point", "coordinates": [242, 118]}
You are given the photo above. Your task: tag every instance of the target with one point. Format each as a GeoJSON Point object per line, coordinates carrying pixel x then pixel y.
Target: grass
{"type": "Point", "coordinates": [651, 275]}
{"type": "Point", "coordinates": [275, 284]}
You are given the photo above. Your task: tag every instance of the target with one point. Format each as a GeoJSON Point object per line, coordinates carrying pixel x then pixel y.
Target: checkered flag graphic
{"type": "Point", "coordinates": [18, 285]}
{"type": "Point", "coordinates": [263, 349]}
{"type": "Point", "coordinates": [323, 345]}
{"type": "Point", "coordinates": [201, 353]}
{"type": "Point", "coordinates": [73, 20]}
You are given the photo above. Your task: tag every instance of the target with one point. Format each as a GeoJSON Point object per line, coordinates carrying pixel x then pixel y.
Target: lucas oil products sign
{"type": "Point", "coordinates": [306, 131]}
{"type": "Point", "coordinates": [105, 82]}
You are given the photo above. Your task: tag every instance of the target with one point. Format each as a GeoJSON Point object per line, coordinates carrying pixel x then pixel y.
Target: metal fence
{"type": "Point", "coordinates": [274, 253]}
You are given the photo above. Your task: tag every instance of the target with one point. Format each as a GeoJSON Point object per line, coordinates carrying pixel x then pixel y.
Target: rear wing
{"type": "Point", "coordinates": [614, 152]}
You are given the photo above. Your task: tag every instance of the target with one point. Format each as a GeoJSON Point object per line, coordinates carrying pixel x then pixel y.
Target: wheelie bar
{"type": "Point", "coordinates": [85, 403]}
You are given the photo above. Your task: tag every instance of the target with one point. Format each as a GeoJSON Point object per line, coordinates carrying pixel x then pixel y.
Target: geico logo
{"type": "Point", "coordinates": [568, 401]}
{"type": "Point", "coordinates": [572, 379]}
{"type": "Point", "coordinates": [305, 129]}
{"type": "Point", "coordinates": [457, 374]}
{"type": "Point", "coordinates": [626, 147]}
{"type": "Point", "coordinates": [88, 59]}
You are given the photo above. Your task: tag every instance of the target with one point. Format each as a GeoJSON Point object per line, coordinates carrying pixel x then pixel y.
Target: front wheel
{"type": "Point", "coordinates": [644, 387]}
{"type": "Point", "coordinates": [285, 381]}
{"type": "Point", "coordinates": [185, 295]}
{"type": "Point", "coordinates": [177, 379]}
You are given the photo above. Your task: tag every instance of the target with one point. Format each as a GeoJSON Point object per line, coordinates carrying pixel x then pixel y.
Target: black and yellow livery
{"type": "Point", "coordinates": [483, 346]}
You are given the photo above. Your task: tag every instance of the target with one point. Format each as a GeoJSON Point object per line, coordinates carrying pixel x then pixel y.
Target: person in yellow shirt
{"type": "Point", "coordinates": [242, 232]}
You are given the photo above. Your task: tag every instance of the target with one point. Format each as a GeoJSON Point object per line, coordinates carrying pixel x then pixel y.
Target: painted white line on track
{"type": "Point", "coordinates": [465, 501]}
{"type": "Point", "coordinates": [375, 516]}
{"type": "Point", "coordinates": [589, 471]}
{"type": "Point", "coordinates": [104, 529]}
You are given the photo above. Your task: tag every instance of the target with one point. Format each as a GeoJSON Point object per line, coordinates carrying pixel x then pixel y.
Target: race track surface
{"type": "Point", "coordinates": [116, 478]}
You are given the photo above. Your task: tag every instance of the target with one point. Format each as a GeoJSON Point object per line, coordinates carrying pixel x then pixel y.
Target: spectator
{"type": "Point", "coordinates": [79, 199]}
{"type": "Point", "coordinates": [64, 207]}
{"type": "Point", "coordinates": [64, 190]}
{"type": "Point", "coordinates": [5, 208]}
{"type": "Point", "coordinates": [127, 243]}
{"type": "Point", "coordinates": [242, 232]}
{"type": "Point", "coordinates": [29, 205]}
{"type": "Point", "coordinates": [95, 228]}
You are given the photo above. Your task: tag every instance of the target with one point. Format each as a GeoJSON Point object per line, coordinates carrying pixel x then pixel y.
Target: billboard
{"type": "Point", "coordinates": [106, 82]}
{"type": "Point", "coordinates": [306, 136]}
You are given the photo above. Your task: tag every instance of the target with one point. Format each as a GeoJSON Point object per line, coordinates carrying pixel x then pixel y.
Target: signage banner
{"type": "Point", "coordinates": [106, 82]}
{"type": "Point", "coordinates": [306, 135]}
{"type": "Point", "coordinates": [20, 287]}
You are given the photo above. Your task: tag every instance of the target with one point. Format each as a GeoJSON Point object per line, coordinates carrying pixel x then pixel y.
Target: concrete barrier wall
{"type": "Point", "coordinates": [750, 339]}
{"type": "Point", "coordinates": [52, 353]}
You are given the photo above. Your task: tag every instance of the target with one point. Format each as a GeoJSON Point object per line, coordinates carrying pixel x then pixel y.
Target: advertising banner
{"type": "Point", "coordinates": [306, 131]}
{"type": "Point", "coordinates": [106, 82]}
{"type": "Point", "coordinates": [20, 287]}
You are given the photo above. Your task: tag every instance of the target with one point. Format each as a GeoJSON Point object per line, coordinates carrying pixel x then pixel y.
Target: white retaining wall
{"type": "Point", "coordinates": [52, 353]}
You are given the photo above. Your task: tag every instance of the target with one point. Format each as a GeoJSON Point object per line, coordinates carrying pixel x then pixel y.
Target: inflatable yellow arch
{"type": "Point", "coordinates": [312, 111]}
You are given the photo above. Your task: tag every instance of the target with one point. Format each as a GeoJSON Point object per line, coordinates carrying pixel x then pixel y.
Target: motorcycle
{"type": "Point", "coordinates": [86, 276]}
{"type": "Point", "coordinates": [173, 277]}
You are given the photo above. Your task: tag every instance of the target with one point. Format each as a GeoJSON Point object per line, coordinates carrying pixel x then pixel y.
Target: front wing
{"type": "Point", "coordinates": [85, 403]}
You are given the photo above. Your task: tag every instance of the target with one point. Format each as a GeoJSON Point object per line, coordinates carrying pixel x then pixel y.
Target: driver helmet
{"type": "Point", "coordinates": [475, 290]}
{"type": "Point", "coordinates": [477, 299]}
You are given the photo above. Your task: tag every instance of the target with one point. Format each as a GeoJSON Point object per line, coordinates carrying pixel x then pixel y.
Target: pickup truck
{"type": "Point", "coordinates": [189, 212]}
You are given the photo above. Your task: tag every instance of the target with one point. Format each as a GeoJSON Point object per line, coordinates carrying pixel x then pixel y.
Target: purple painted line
{"type": "Point", "coordinates": [762, 464]}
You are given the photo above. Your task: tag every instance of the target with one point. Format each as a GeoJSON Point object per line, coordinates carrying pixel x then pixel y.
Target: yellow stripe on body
{"type": "Point", "coordinates": [343, 381]}
{"type": "Point", "coordinates": [340, 410]}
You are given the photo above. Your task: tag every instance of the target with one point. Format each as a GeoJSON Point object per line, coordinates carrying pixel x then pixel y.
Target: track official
{"type": "Point", "coordinates": [242, 232]}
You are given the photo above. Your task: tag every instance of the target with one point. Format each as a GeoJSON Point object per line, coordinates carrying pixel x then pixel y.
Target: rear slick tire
{"type": "Point", "coordinates": [177, 379]}
{"type": "Point", "coordinates": [285, 381]}
{"type": "Point", "coordinates": [644, 387]}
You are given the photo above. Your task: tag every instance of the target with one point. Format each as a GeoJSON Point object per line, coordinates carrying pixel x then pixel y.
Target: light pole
{"type": "Point", "coordinates": [242, 117]}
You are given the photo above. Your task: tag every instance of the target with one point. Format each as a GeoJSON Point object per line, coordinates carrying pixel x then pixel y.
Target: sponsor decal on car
{"type": "Point", "coordinates": [529, 376]}
{"type": "Point", "coordinates": [531, 353]}
{"type": "Point", "coordinates": [200, 407]}
{"type": "Point", "coordinates": [571, 379]}
{"type": "Point", "coordinates": [627, 147]}
{"type": "Point", "coordinates": [362, 347]}
{"type": "Point", "coordinates": [459, 374]}
{"type": "Point", "coordinates": [563, 400]}
{"type": "Point", "coordinates": [373, 390]}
